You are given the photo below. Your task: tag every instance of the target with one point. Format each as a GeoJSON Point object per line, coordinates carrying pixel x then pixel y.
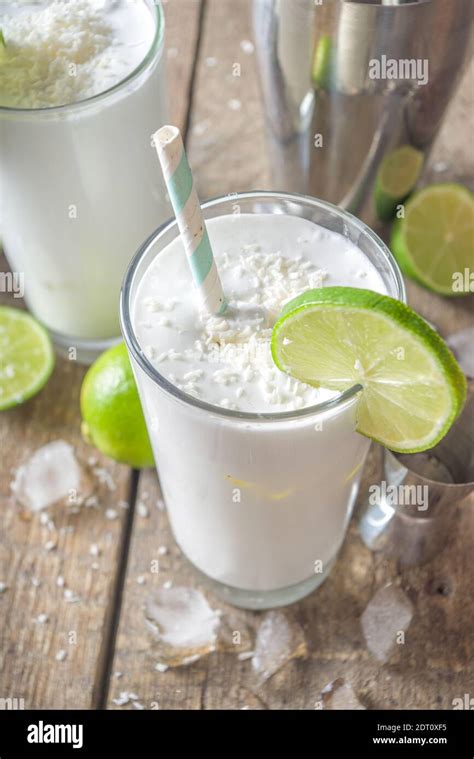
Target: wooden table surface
{"type": "Point", "coordinates": [102, 631]}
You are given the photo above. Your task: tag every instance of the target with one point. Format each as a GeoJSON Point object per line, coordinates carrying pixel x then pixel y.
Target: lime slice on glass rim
{"type": "Point", "coordinates": [26, 357]}
{"type": "Point", "coordinates": [434, 242]}
{"type": "Point", "coordinates": [397, 175]}
{"type": "Point", "coordinates": [338, 337]}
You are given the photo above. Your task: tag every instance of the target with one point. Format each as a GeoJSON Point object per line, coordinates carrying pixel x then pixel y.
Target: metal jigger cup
{"type": "Point", "coordinates": [413, 533]}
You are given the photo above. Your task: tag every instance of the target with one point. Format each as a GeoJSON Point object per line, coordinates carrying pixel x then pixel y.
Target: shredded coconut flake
{"type": "Point", "coordinates": [64, 51]}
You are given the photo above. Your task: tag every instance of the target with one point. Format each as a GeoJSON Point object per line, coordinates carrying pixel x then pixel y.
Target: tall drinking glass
{"type": "Point", "coordinates": [259, 502]}
{"type": "Point", "coordinates": [79, 190]}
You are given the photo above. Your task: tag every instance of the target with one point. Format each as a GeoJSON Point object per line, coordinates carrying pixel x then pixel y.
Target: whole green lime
{"type": "Point", "coordinates": [112, 415]}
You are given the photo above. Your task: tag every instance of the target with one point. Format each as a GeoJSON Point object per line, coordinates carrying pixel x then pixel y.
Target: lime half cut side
{"type": "Point", "coordinates": [396, 178]}
{"type": "Point", "coordinates": [339, 337]}
{"type": "Point", "coordinates": [434, 242]}
{"type": "Point", "coordinates": [26, 357]}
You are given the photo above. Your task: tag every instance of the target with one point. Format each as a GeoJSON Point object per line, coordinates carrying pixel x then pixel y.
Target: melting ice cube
{"type": "Point", "coordinates": [183, 623]}
{"type": "Point", "coordinates": [340, 695]}
{"type": "Point", "coordinates": [278, 641]}
{"type": "Point", "coordinates": [51, 473]}
{"type": "Point", "coordinates": [462, 345]}
{"type": "Point", "coordinates": [388, 614]}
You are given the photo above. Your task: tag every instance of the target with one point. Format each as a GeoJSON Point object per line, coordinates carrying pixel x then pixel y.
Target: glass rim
{"type": "Point", "coordinates": [168, 387]}
{"type": "Point", "coordinates": [156, 47]}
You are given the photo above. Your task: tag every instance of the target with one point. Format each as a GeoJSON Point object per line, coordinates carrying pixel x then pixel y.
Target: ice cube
{"type": "Point", "coordinates": [51, 473]}
{"type": "Point", "coordinates": [235, 634]}
{"type": "Point", "coordinates": [462, 345]}
{"type": "Point", "coordinates": [124, 698]}
{"type": "Point", "coordinates": [385, 619]}
{"type": "Point", "coordinates": [340, 695]}
{"type": "Point", "coordinates": [278, 640]}
{"type": "Point", "coordinates": [183, 623]}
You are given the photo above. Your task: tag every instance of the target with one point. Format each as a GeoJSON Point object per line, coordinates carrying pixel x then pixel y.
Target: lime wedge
{"type": "Point", "coordinates": [338, 337]}
{"type": "Point", "coordinates": [434, 243]}
{"type": "Point", "coordinates": [397, 175]}
{"type": "Point", "coordinates": [26, 357]}
{"type": "Point", "coordinates": [322, 62]}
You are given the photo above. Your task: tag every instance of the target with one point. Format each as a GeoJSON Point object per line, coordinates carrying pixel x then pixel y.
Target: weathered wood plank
{"type": "Point", "coordinates": [227, 137]}
{"type": "Point", "coordinates": [28, 649]}
{"type": "Point", "coordinates": [436, 663]}
{"type": "Point", "coordinates": [182, 28]}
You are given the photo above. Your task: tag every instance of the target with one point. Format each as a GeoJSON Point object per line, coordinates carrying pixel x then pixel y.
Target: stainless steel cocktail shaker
{"type": "Point", "coordinates": [347, 83]}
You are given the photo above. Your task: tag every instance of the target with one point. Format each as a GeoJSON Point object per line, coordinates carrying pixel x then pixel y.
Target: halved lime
{"type": "Point", "coordinates": [322, 62]}
{"type": "Point", "coordinates": [434, 242]}
{"type": "Point", "coordinates": [397, 175]}
{"type": "Point", "coordinates": [26, 357]}
{"type": "Point", "coordinates": [338, 337]}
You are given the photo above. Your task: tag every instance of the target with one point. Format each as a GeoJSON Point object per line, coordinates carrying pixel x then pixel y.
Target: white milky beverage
{"type": "Point", "coordinates": [259, 479]}
{"type": "Point", "coordinates": [81, 91]}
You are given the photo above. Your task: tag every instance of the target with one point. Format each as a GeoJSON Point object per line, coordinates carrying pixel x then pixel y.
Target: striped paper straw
{"type": "Point", "coordinates": [185, 202]}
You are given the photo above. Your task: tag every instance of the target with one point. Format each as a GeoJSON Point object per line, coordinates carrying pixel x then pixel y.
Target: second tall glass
{"type": "Point", "coordinates": [80, 188]}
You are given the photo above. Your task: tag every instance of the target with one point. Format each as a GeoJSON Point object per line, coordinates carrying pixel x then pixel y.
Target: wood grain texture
{"type": "Point", "coordinates": [181, 30]}
{"type": "Point", "coordinates": [28, 667]}
{"type": "Point", "coordinates": [226, 142]}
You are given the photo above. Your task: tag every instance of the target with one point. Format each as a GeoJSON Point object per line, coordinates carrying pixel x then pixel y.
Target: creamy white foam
{"type": "Point", "coordinates": [264, 261]}
{"type": "Point", "coordinates": [64, 51]}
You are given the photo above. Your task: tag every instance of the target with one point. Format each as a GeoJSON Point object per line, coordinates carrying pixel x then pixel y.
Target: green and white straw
{"type": "Point", "coordinates": [185, 202]}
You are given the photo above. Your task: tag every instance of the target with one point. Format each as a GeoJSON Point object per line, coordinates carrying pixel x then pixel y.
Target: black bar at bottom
{"type": "Point", "coordinates": [149, 733]}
